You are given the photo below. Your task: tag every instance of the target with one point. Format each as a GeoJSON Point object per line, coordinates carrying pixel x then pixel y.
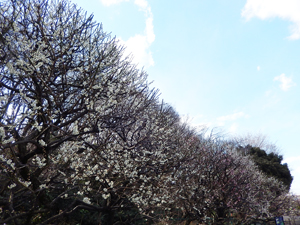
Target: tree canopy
{"type": "Point", "coordinates": [271, 164]}
{"type": "Point", "coordinates": [85, 140]}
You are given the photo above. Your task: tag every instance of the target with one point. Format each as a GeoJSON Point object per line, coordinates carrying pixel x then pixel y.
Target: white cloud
{"type": "Point", "coordinates": [233, 116]}
{"type": "Point", "coordinates": [141, 3]}
{"type": "Point", "coordinates": [233, 128]}
{"type": "Point", "coordinates": [221, 121]}
{"type": "Point", "coordinates": [258, 68]}
{"type": "Point", "coordinates": [112, 2]}
{"type": "Point", "coordinates": [139, 44]}
{"type": "Point", "coordinates": [284, 9]}
{"type": "Point", "coordinates": [292, 159]}
{"type": "Point", "coordinates": [195, 121]}
{"type": "Point", "coordinates": [293, 164]}
{"type": "Point", "coordinates": [286, 82]}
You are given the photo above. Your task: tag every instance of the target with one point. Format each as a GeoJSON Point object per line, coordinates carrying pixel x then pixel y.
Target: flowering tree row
{"type": "Point", "coordinates": [84, 138]}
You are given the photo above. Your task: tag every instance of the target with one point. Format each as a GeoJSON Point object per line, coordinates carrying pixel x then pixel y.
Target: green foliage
{"type": "Point", "coordinates": [271, 164]}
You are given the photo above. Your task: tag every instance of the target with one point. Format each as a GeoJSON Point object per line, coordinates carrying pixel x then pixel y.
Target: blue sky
{"type": "Point", "coordinates": [233, 64]}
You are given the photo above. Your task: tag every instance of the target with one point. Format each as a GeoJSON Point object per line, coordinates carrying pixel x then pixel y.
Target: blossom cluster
{"type": "Point", "coordinates": [81, 126]}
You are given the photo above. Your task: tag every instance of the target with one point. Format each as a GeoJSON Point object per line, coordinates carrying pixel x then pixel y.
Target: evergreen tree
{"type": "Point", "coordinates": [270, 164]}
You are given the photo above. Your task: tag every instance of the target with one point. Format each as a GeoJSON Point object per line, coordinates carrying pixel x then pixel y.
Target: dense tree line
{"type": "Point", "coordinates": [269, 163]}
{"type": "Point", "coordinates": [84, 140]}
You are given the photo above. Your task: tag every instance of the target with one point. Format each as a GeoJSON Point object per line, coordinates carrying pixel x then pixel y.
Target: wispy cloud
{"type": "Point", "coordinates": [258, 68]}
{"type": "Point", "coordinates": [197, 121]}
{"type": "Point", "coordinates": [286, 82]}
{"type": "Point", "coordinates": [138, 45]}
{"type": "Point", "coordinates": [285, 9]}
{"type": "Point", "coordinates": [229, 121]}
{"type": "Point", "coordinates": [233, 128]}
{"type": "Point", "coordinates": [232, 117]}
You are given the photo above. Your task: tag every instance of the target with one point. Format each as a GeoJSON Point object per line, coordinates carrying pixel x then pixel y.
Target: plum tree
{"type": "Point", "coordinates": [84, 139]}
{"type": "Point", "coordinates": [80, 127]}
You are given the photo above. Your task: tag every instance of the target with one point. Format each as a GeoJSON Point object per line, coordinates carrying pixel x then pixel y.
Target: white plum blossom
{"type": "Point", "coordinates": [42, 142]}
{"type": "Point", "coordinates": [12, 186]}
{"type": "Point", "coordinates": [79, 121]}
{"type": "Point", "coordinates": [86, 200]}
